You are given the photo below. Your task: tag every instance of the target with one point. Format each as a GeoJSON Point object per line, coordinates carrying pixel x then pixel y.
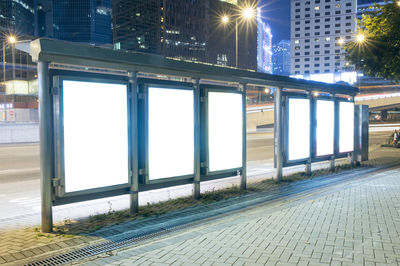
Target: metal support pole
{"type": "Point", "coordinates": [197, 129]}
{"type": "Point", "coordinates": [278, 133]}
{"type": "Point", "coordinates": [243, 178]}
{"type": "Point", "coordinates": [46, 162]}
{"type": "Point", "coordinates": [332, 163]}
{"type": "Point", "coordinates": [236, 43]}
{"type": "Point", "coordinates": [308, 168]}
{"type": "Point", "coordinates": [134, 193]}
{"type": "Point", "coordinates": [13, 62]}
{"type": "Point", "coordinates": [4, 62]}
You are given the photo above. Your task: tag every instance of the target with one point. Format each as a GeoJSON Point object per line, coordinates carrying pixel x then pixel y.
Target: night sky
{"type": "Point", "coordinates": [277, 13]}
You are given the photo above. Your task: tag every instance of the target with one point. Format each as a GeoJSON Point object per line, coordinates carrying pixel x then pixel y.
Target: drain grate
{"type": "Point", "coordinates": [107, 246]}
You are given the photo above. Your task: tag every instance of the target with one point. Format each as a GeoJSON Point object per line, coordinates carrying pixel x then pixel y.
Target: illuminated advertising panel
{"type": "Point", "coordinates": [95, 135]}
{"type": "Point", "coordinates": [170, 132]}
{"type": "Point", "coordinates": [325, 127]}
{"type": "Point", "coordinates": [225, 130]}
{"type": "Point", "coordinates": [346, 127]}
{"type": "Point", "coordinates": [299, 129]}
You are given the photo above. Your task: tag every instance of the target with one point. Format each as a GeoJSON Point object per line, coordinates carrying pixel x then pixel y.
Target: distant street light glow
{"type": "Point", "coordinates": [341, 41]}
{"type": "Point", "coordinates": [248, 13]}
{"type": "Point", "coordinates": [225, 19]}
{"type": "Point", "coordinates": [360, 38]}
{"type": "Point", "coordinates": [12, 39]}
{"type": "Point", "coordinates": [267, 90]}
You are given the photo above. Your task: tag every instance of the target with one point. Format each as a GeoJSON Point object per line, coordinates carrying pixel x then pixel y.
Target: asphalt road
{"type": "Point", "coordinates": [20, 186]}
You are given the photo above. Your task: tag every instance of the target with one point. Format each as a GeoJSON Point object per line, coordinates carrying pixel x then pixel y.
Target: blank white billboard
{"type": "Point", "coordinates": [325, 127]}
{"type": "Point", "coordinates": [346, 127]}
{"type": "Point", "coordinates": [225, 130]}
{"type": "Point", "coordinates": [299, 129]}
{"type": "Point", "coordinates": [171, 132]}
{"type": "Point", "coordinates": [95, 135]}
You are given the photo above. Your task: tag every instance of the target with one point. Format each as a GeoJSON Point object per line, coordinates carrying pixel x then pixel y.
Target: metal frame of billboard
{"type": "Point", "coordinates": [337, 128]}
{"type": "Point", "coordinates": [60, 195]}
{"type": "Point", "coordinates": [314, 155]}
{"type": "Point", "coordinates": [285, 129]}
{"type": "Point", "coordinates": [286, 96]}
{"type": "Point", "coordinates": [106, 63]}
{"type": "Point", "coordinates": [143, 86]}
{"type": "Point", "coordinates": [206, 173]}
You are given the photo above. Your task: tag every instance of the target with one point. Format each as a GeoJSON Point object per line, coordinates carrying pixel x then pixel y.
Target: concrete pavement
{"type": "Point", "coordinates": [354, 223]}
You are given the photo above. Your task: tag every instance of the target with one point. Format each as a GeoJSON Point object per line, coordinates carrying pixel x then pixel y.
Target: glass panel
{"type": "Point", "coordinates": [225, 134]}
{"type": "Point", "coordinates": [299, 129]}
{"type": "Point", "coordinates": [95, 135]}
{"type": "Point", "coordinates": [171, 133]}
{"type": "Point", "coordinates": [325, 127]}
{"type": "Point", "coordinates": [346, 127]}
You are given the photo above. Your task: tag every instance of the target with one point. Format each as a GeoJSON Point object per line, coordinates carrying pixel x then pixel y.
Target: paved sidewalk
{"type": "Point", "coordinates": [356, 223]}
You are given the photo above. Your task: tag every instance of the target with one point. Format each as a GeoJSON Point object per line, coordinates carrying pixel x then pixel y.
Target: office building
{"type": "Point", "coordinates": [188, 30]}
{"type": "Point", "coordinates": [85, 21]}
{"type": "Point", "coordinates": [281, 58]}
{"type": "Point", "coordinates": [319, 30]}
{"type": "Point", "coordinates": [264, 45]}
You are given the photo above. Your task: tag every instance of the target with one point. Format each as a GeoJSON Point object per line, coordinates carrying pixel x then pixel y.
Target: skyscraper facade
{"type": "Point", "coordinates": [319, 30]}
{"type": "Point", "coordinates": [264, 45]}
{"type": "Point", "coordinates": [281, 58]}
{"type": "Point", "coordinates": [189, 30]}
{"type": "Point", "coordinates": [16, 17]}
{"type": "Point", "coordinates": [86, 21]}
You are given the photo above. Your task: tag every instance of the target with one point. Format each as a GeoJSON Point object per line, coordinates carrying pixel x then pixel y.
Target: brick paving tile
{"type": "Point", "coordinates": [352, 224]}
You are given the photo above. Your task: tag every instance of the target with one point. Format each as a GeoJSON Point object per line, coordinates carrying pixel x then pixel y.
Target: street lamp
{"type": "Point", "coordinates": [246, 14]}
{"type": "Point", "coordinates": [360, 38]}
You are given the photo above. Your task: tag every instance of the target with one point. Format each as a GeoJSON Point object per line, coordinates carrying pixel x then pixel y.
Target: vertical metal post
{"type": "Point", "coordinates": [197, 129]}
{"type": "Point", "coordinates": [332, 163]}
{"type": "Point", "coordinates": [45, 118]}
{"type": "Point", "coordinates": [13, 62]}
{"type": "Point", "coordinates": [134, 192]}
{"type": "Point", "coordinates": [243, 178]}
{"type": "Point", "coordinates": [4, 62]}
{"type": "Point", "coordinates": [236, 43]}
{"type": "Point", "coordinates": [354, 153]}
{"type": "Point", "coordinates": [278, 132]}
{"type": "Point", "coordinates": [308, 167]}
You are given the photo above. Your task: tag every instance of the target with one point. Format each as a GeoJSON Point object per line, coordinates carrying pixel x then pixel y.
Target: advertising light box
{"type": "Point", "coordinates": [225, 130]}
{"type": "Point", "coordinates": [325, 127]}
{"type": "Point", "coordinates": [170, 132]}
{"type": "Point", "coordinates": [299, 129]}
{"type": "Point", "coordinates": [346, 127]}
{"type": "Point", "coordinates": [95, 135]}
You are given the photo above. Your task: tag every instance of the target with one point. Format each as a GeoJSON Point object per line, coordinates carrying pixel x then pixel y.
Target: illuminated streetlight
{"type": "Point", "coordinates": [248, 13]}
{"type": "Point", "coordinates": [341, 41]}
{"type": "Point", "coordinates": [12, 39]}
{"type": "Point", "coordinates": [360, 38]}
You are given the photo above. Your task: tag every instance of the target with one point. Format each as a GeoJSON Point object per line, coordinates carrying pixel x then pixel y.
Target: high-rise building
{"type": "Point", "coordinates": [16, 17]}
{"type": "Point", "coordinates": [281, 58]}
{"type": "Point", "coordinates": [85, 21]}
{"type": "Point", "coordinates": [319, 30]}
{"type": "Point", "coordinates": [173, 28]}
{"type": "Point", "coordinates": [190, 30]}
{"type": "Point", "coordinates": [264, 45]}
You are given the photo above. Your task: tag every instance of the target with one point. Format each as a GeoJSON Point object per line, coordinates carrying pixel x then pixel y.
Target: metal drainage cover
{"type": "Point", "coordinates": [105, 247]}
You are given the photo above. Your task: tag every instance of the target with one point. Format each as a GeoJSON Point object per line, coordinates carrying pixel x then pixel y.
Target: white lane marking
{"type": "Point", "coordinates": [33, 203]}
{"type": "Point", "coordinates": [12, 171]}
